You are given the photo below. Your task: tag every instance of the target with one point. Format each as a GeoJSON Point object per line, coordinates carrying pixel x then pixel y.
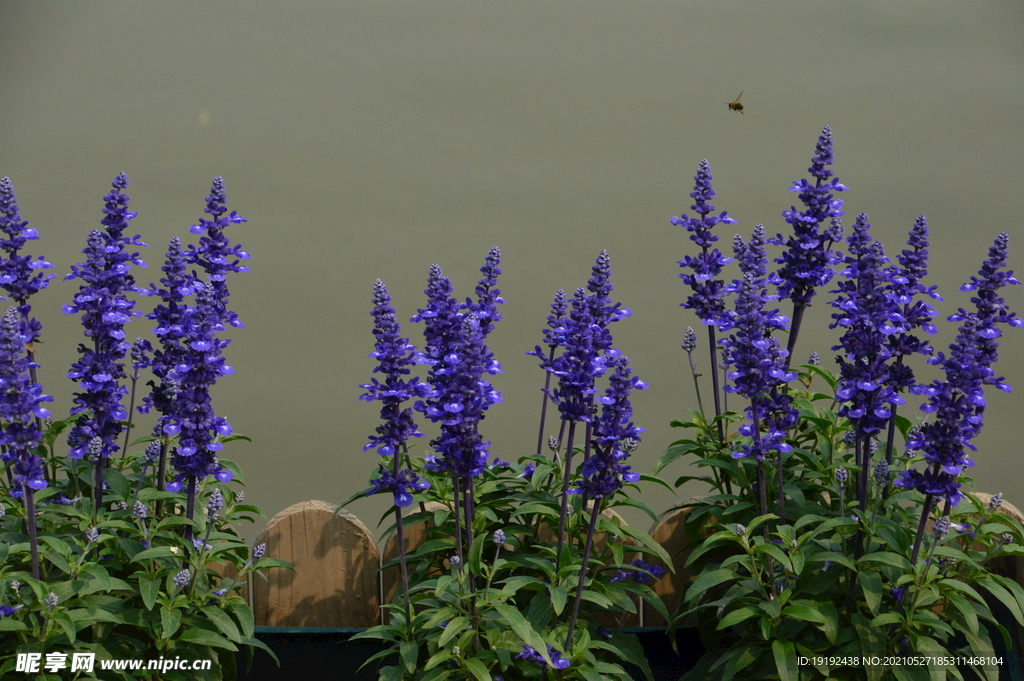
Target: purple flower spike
{"type": "Point", "coordinates": [20, 405]}
{"type": "Point", "coordinates": [105, 308]}
{"type": "Point", "coordinates": [708, 292]}
{"type": "Point", "coordinates": [458, 358]}
{"type": "Point", "coordinates": [215, 254]}
{"type": "Point", "coordinates": [403, 486]}
{"type": "Point", "coordinates": [642, 572]}
{"type": "Point", "coordinates": [171, 316]}
{"type": "Point", "coordinates": [807, 258]}
{"type": "Point", "coordinates": [20, 275]}
{"type": "Point", "coordinates": [395, 355]}
{"type": "Point", "coordinates": [869, 315]}
{"type": "Point", "coordinates": [958, 402]}
{"type": "Point", "coordinates": [488, 295]}
{"type": "Point", "coordinates": [756, 361]}
{"type": "Point", "coordinates": [604, 473]}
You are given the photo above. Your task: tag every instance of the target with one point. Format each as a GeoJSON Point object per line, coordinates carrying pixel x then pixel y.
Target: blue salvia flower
{"type": "Point", "coordinates": [488, 295]}
{"type": "Point", "coordinates": [215, 254]}
{"type": "Point", "coordinates": [806, 262]}
{"type": "Point", "coordinates": [395, 355]}
{"type": "Point", "coordinates": [708, 295]}
{"type": "Point", "coordinates": [461, 404]}
{"type": "Point", "coordinates": [194, 420]}
{"type": "Point", "coordinates": [869, 316]}
{"type": "Point", "coordinates": [642, 572]}
{"type": "Point", "coordinates": [904, 289]}
{"type": "Point", "coordinates": [579, 364]}
{"type": "Point", "coordinates": [201, 363]}
{"type": "Point", "coordinates": [402, 486]}
{"type": "Point", "coordinates": [20, 405]}
{"type": "Point", "coordinates": [605, 472]}
{"type": "Point", "coordinates": [557, 661]}
{"type": "Point", "coordinates": [105, 308]}
{"type": "Point", "coordinates": [171, 318]}
{"type": "Point", "coordinates": [20, 275]}
{"type": "Point", "coordinates": [554, 334]}
{"type": "Point", "coordinates": [958, 402]}
{"type": "Point", "coordinates": [602, 310]}
{"type": "Point", "coordinates": [757, 362]}
{"type": "Point", "coordinates": [458, 358]}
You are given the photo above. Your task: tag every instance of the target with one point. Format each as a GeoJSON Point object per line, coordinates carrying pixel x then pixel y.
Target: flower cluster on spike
{"type": "Point", "coordinates": [395, 355]}
{"type": "Point", "coordinates": [587, 342]}
{"type": "Point", "coordinates": [806, 262]}
{"type": "Point", "coordinates": [20, 406]}
{"type": "Point", "coordinates": [105, 308]}
{"type": "Point", "coordinates": [907, 291]}
{"type": "Point", "coordinates": [189, 340]}
{"type": "Point", "coordinates": [707, 299]}
{"type": "Point", "coordinates": [20, 277]}
{"type": "Point", "coordinates": [756, 362]}
{"type": "Point", "coordinates": [172, 318]}
{"type": "Point", "coordinates": [605, 472]}
{"type": "Point", "coordinates": [869, 314]}
{"type": "Point", "coordinates": [455, 349]}
{"type": "Point", "coordinates": [193, 419]}
{"type": "Point", "coordinates": [215, 254]}
{"type": "Point", "coordinates": [958, 402]}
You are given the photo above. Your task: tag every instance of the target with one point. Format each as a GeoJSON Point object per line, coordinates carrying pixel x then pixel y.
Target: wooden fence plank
{"type": "Point", "coordinates": [335, 579]}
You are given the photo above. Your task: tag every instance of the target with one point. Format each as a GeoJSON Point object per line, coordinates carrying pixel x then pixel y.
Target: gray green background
{"type": "Point", "coordinates": [371, 139]}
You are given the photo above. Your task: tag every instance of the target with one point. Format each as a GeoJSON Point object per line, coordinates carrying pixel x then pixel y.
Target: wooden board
{"type": "Point", "coordinates": [335, 579]}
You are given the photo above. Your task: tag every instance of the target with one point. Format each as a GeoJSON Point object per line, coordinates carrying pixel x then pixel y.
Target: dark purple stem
{"type": "Point", "coordinates": [567, 463]}
{"type": "Point", "coordinates": [594, 515]}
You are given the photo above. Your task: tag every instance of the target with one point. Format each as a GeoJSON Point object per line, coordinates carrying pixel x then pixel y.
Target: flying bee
{"type": "Point", "coordinates": [735, 105]}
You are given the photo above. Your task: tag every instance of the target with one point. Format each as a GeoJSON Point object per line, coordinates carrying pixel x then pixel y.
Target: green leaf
{"type": "Point", "coordinates": [523, 629]}
{"type": "Point", "coordinates": [223, 622]}
{"type": "Point", "coordinates": [805, 613]}
{"type": "Point", "coordinates": [887, 618]}
{"type": "Point", "coordinates": [477, 669]}
{"type": "Point", "coordinates": [452, 629]}
{"type": "Point", "coordinates": [169, 621]}
{"type": "Point", "coordinates": [156, 552]}
{"type": "Point", "coordinates": [1003, 595]}
{"type": "Point", "coordinates": [8, 624]}
{"type": "Point", "coordinates": [118, 483]}
{"type": "Point", "coordinates": [887, 558]}
{"type": "Point", "coordinates": [205, 637]}
{"type": "Point", "coordinates": [475, 553]}
{"type": "Point", "coordinates": [67, 625]}
{"type": "Point", "coordinates": [872, 643]}
{"type": "Point", "coordinates": [559, 594]}
{"type": "Point", "coordinates": [785, 660]}
{"type": "Point", "coordinates": [244, 615]}
{"type": "Point", "coordinates": [871, 585]}
{"type": "Point", "coordinates": [706, 581]}
{"type": "Point", "coordinates": [149, 588]}
{"type": "Point", "coordinates": [629, 649]}
{"type": "Point", "coordinates": [174, 521]}
{"type": "Point", "coordinates": [409, 652]}
{"type": "Point", "coordinates": [437, 658]}
{"type": "Point", "coordinates": [737, 616]}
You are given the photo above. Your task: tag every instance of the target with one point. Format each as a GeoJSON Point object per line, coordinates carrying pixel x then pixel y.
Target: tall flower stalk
{"type": "Point", "coordinates": [870, 315]}
{"type": "Point", "coordinates": [455, 349]}
{"type": "Point", "coordinates": [20, 275]}
{"type": "Point", "coordinates": [554, 337]}
{"type": "Point", "coordinates": [20, 407]}
{"type": "Point", "coordinates": [194, 421]}
{"type": "Point", "coordinates": [958, 402]}
{"type": "Point", "coordinates": [708, 298]}
{"type": "Point", "coordinates": [605, 473]}
{"type": "Point", "coordinates": [807, 260]}
{"type": "Point", "coordinates": [758, 366]}
{"type": "Point", "coordinates": [395, 355]}
{"type": "Point", "coordinates": [103, 302]}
